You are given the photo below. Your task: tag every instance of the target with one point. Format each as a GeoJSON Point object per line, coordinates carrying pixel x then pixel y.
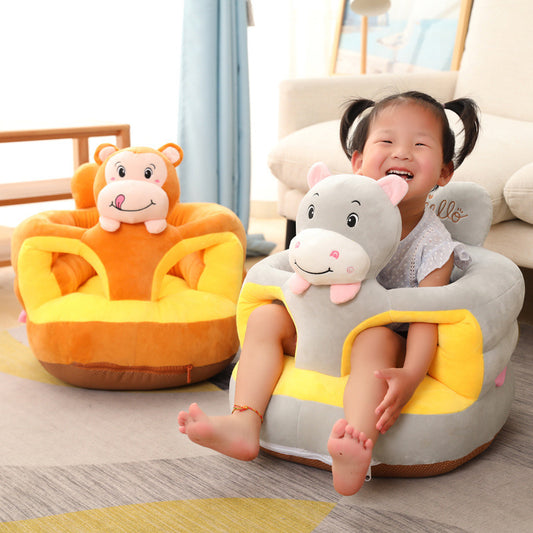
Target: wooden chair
{"type": "Point", "coordinates": [24, 192]}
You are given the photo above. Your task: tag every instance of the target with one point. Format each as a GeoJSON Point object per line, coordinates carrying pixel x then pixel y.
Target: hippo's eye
{"type": "Point", "coordinates": [311, 211]}
{"type": "Point", "coordinates": [148, 173]}
{"type": "Point", "coordinates": [121, 171]}
{"type": "Point", "coordinates": [352, 219]}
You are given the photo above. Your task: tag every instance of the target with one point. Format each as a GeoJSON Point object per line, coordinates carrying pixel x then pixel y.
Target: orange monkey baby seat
{"type": "Point", "coordinates": [348, 228]}
{"type": "Point", "coordinates": [131, 290]}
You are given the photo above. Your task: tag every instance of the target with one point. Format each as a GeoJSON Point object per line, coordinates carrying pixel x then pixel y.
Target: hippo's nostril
{"type": "Point", "coordinates": [335, 254]}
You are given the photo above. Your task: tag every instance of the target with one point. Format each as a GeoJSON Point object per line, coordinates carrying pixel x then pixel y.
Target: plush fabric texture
{"type": "Point", "coordinates": [293, 155]}
{"type": "Point", "coordinates": [518, 192]}
{"type": "Point", "coordinates": [148, 302]}
{"type": "Point", "coordinates": [503, 136]}
{"type": "Point", "coordinates": [463, 394]}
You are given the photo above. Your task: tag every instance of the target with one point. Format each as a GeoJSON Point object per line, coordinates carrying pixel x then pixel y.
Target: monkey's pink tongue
{"type": "Point", "coordinates": [119, 200]}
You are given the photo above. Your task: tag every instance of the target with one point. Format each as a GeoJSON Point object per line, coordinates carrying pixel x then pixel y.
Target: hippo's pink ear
{"type": "Point", "coordinates": [395, 187]}
{"type": "Point", "coordinates": [317, 173]}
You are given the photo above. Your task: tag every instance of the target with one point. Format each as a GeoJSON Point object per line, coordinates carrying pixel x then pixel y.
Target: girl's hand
{"type": "Point", "coordinates": [401, 386]}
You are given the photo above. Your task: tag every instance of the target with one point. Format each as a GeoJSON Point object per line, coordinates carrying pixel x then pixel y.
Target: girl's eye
{"type": "Point", "coordinates": [148, 173]}
{"type": "Point", "coordinates": [310, 211]}
{"type": "Point", "coordinates": [351, 220]}
{"type": "Point", "coordinates": [121, 171]}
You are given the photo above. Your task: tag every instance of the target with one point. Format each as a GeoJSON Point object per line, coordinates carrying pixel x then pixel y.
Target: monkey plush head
{"type": "Point", "coordinates": [136, 185]}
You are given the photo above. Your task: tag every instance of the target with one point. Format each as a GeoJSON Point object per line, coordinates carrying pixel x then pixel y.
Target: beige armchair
{"type": "Point", "coordinates": [496, 71]}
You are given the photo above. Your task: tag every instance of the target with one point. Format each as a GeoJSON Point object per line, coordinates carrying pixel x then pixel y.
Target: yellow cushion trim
{"type": "Point", "coordinates": [175, 302]}
{"type": "Point", "coordinates": [252, 296]}
{"type": "Point", "coordinates": [36, 282]}
{"type": "Point", "coordinates": [232, 250]}
{"type": "Point", "coordinates": [309, 385]}
{"type": "Point", "coordinates": [455, 376]}
{"type": "Point", "coordinates": [430, 398]}
{"type": "Point", "coordinates": [224, 265]}
{"type": "Point", "coordinates": [458, 362]}
{"type": "Point", "coordinates": [178, 304]}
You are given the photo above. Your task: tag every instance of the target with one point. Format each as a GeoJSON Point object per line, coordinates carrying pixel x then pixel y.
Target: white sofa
{"type": "Point", "coordinates": [496, 71]}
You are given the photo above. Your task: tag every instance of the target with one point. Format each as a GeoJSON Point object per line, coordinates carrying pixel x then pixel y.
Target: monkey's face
{"type": "Point", "coordinates": [134, 188]}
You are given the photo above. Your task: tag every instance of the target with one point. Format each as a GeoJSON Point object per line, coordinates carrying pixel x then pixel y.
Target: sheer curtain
{"type": "Point", "coordinates": [289, 39]}
{"type": "Point", "coordinates": [214, 111]}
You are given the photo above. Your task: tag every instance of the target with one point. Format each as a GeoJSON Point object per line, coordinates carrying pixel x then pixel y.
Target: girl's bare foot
{"type": "Point", "coordinates": [235, 435]}
{"type": "Point", "coordinates": [351, 452]}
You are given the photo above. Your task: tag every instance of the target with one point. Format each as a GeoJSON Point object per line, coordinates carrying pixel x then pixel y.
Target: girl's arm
{"type": "Point", "coordinates": [420, 350]}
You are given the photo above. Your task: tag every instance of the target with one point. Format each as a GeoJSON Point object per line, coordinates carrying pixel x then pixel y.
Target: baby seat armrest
{"type": "Point", "coordinates": [196, 219]}
{"type": "Point", "coordinates": [70, 271]}
{"type": "Point", "coordinates": [222, 258]}
{"type": "Point", "coordinates": [273, 270]}
{"type": "Point", "coordinates": [465, 208]}
{"type": "Point", "coordinates": [36, 278]}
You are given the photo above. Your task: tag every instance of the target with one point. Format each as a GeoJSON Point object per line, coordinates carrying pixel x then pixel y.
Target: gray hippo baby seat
{"type": "Point", "coordinates": [347, 229]}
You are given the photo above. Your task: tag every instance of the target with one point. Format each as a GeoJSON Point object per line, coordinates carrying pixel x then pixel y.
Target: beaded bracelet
{"type": "Point", "coordinates": [241, 408]}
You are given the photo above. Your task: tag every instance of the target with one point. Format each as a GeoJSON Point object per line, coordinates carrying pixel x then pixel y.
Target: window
{"type": "Point", "coordinates": [67, 63]}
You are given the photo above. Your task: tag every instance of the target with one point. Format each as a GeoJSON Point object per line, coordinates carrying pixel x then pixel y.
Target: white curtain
{"type": "Point", "coordinates": [290, 39]}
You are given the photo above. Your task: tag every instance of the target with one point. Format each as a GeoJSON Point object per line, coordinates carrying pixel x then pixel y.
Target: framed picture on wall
{"type": "Point", "coordinates": [408, 36]}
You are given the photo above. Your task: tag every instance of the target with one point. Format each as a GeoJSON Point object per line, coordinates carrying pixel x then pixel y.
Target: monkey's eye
{"type": "Point", "coordinates": [148, 173]}
{"type": "Point", "coordinates": [121, 171]}
{"type": "Point", "coordinates": [311, 211]}
{"type": "Point", "coordinates": [351, 219]}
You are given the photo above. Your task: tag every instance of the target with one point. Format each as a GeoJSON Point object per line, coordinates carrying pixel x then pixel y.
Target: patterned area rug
{"type": "Point", "coordinates": [77, 460]}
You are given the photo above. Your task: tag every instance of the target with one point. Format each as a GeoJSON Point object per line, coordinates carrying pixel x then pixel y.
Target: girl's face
{"type": "Point", "coordinates": [405, 139]}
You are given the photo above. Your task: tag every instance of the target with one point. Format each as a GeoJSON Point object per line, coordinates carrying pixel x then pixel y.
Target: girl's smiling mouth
{"type": "Point", "coordinates": [405, 174]}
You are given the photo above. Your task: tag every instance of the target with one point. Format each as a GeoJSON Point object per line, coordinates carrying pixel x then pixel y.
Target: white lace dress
{"type": "Point", "coordinates": [426, 248]}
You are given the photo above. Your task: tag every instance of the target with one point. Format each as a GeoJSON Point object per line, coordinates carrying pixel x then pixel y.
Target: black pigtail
{"type": "Point", "coordinates": [468, 111]}
{"type": "Point", "coordinates": [352, 112]}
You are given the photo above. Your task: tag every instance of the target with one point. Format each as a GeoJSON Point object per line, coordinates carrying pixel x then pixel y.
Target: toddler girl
{"type": "Point", "coordinates": [408, 135]}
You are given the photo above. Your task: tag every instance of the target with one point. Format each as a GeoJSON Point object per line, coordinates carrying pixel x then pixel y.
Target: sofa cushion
{"type": "Point", "coordinates": [503, 148]}
{"type": "Point", "coordinates": [518, 192]}
{"type": "Point", "coordinates": [293, 155]}
{"type": "Point", "coordinates": [500, 151]}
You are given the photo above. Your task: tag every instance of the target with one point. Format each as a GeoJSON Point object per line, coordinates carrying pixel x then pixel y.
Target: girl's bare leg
{"type": "Point", "coordinates": [270, 332]}
{"type": "Point", "coordinates": [352, 439]}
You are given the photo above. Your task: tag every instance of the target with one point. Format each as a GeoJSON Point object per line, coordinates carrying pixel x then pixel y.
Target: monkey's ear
{"type": "Point", "coordinates": [104, 151]}
{"type": "Point", "coordinates": [173, 153]}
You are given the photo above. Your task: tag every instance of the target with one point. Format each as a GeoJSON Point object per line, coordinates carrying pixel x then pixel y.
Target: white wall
{"type": "Point", "coordinates": [67, 62]}
{"type": "Point", "coordinates": [290, 38]}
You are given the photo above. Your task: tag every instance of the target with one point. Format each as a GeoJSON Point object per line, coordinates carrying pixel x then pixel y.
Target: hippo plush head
{"type": "Point", "coordinates": [348, 227]}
